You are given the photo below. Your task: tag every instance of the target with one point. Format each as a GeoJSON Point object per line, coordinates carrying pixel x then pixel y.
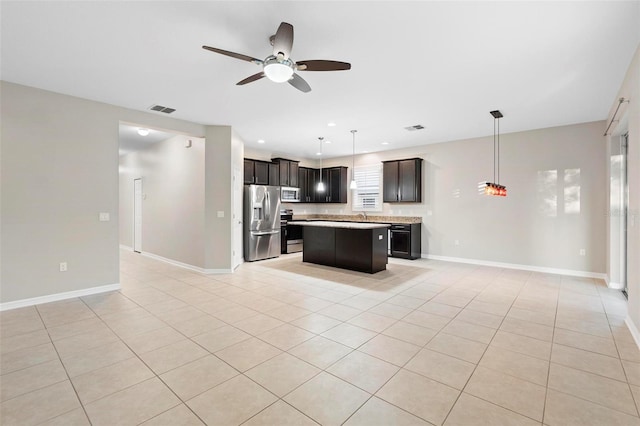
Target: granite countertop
{"type": "Point", "coordinates": [359, 218]}
{"type": "Point", "coordinates": [341, 224]}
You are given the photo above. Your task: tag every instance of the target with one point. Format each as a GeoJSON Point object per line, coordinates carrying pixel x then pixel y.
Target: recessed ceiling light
{"type": "Point", "coordinates": [385, 143]}
{"type": "Point", "coordinates": [143, 132]}
{"type": "Point", "coordinates": [260, 140]}
{"type": "Point", "coordinates": [331, 124]}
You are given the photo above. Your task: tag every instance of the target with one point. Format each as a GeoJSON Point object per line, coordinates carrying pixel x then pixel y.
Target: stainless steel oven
{"type": "Point", "coordinates": [291, 235]}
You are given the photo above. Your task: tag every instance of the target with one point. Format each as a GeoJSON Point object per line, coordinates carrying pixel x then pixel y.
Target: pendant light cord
{"type": "Point", "coordinates": [321, 138]}
{"type": "Point", "coordinates": [498, 156]}
{"type": "Point", "coordinates": [353, 157]}
{"type": "Point", "coordinates": [494, 150]}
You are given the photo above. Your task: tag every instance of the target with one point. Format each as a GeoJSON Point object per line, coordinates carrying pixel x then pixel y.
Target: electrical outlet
{"type": "Point", "coordinates": [456, 242]}
{"type": "Point", "coordinates": [220, 213]}
{"type": "Point", "coordinates": [104, 217]}
{"type": "Point", "coordinates": [583, 252]}
{"type": "Point", "coordinates": [63, 266]}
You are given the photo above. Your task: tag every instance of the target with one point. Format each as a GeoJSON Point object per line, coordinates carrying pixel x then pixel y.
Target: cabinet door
{"type": "Point", "coordinates": [284, 173]}
{"type": "Point", "coordinates": [313, 176]}
{"type": "Point", "coordinates": [390, 182]}
{"type": "Point", "coordinates": [293, 174]}
{"type": "Point", "coordinates": [323, 176]}
{"type": "Point", "coordinates": [274, 174]}
{"type": "Point", "coordinates": [334, 185]}
{"type": "Point", "coordinates": [248, 172]}
{"type": "Point", "coordinates": [303, 172]}
{"type": "Point", "coordinates": [409, 180]}
{"type": "Point", "coordinates": [261, 172]}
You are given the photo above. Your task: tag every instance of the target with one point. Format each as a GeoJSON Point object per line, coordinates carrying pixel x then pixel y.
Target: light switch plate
{"type": "Point", "coordinates": [220, 213]}
{"type": "Point", "coordinates": [104, 217]}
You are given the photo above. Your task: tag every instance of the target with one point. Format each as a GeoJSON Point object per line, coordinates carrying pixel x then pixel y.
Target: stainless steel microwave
{"type": "Point", "coordinates": [289, 195]}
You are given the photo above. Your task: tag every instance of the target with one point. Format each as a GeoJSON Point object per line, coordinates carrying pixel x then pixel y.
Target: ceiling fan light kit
{"type": "Point", "coordinates": [494, 188]}
{"type": "Point", "coordinates": [278, 67]}
{"type": "Point", "coordinates": [278, 71]}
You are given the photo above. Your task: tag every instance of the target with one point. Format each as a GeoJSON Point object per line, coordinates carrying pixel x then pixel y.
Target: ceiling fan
{"type": "Point", "coordinates": [278, 66]}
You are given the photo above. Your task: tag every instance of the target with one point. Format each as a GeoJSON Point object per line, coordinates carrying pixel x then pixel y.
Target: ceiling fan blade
{"type": "Point", "coordinates": [299, 83]}
{"type": "Point", "coordinates": [251, 78]}
{"type": "Point", "coordinates": [322, 65]}
{"type": "Point", "coordinates": [283, 40]}
{"type": "Point", "coordinates": [233, 54]}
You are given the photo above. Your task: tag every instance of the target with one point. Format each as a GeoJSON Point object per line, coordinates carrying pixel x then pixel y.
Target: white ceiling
{"type": "Point", "coordinates": [444, 65]}
{"type": "Point", "coordinates": [131, 141]}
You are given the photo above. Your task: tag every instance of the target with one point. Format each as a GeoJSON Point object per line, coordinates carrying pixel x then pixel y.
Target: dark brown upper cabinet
{"type": "Point", "coordinates": [402, 181]}
{"type": "Point", "coordinates": [288, 172]}
{"type": "Point", "coordinates": [274, 174]}
{"type": "Point", "coordinates": [335, 183]}
{"type": "Point", "coordinates": [307, 180]}
{"type": "Point", "coordinates": [256, 172]}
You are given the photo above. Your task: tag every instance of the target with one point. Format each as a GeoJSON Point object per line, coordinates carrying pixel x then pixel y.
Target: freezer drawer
{"type": "Point", "coordinates": [262, 245]}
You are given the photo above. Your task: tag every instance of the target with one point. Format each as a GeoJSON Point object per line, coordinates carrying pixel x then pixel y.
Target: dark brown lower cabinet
{"type": "Point", "coordinates": [363, 250]}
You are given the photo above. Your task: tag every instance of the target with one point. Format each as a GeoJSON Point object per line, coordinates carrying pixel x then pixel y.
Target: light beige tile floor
{"type": "Point", "coordinates": [280, 342]}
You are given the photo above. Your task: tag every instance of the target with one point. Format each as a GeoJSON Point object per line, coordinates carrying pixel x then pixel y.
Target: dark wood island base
{"type": "Point", "coordinates": [355, 246]}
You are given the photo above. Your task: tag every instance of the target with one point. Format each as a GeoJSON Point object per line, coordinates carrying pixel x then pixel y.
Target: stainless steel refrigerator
{"type": "Point", "coordinates": [261, 222]}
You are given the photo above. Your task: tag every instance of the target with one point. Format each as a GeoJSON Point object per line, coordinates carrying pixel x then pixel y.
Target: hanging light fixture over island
{"type": "Point", "coordinates": [494, 188]}
{"type": "Point", "coordinates": [320, 186]}
{"type": "Point", "coordinates": [354, 184]}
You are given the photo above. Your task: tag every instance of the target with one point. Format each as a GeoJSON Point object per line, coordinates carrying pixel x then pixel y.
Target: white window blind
{"type": "Point", "coordinates": [368, 196]}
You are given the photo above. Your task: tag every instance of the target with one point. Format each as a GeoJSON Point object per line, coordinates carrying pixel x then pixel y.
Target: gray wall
{"type": "Point", "coordinates": [218, 231]}
{"type": "Point", "coordinates": [537, 224]}
{"type": "Point", "coordinates": [173, 205]}
{"type": "Point", "coordinates": [58, 171]}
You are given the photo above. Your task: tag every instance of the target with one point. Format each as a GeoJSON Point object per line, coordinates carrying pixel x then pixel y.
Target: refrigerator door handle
{"type": "Point", "coordinates": [267, 209]}
{"type": "Point", "coordinates": [265, 233]}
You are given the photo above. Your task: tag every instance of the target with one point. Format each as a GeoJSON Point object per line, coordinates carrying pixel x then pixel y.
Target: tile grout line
{"type": "Point", "coordinates": [480, 359]}
{"type": "Point", "coordinates": [65, 370]}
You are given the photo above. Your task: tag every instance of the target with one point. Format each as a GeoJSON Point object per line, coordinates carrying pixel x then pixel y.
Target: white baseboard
{"type": "Point", "coordinates": [633, 329]}
{"type": "Point", "coordinates": [58, 296]}
{"type": "Point", "coordinates": [615, 286]}
{"type": "Point", "coordinates": [570, 272]}
{"type": "Point", "coordinates": [186, 265]}
{"type": "Point", "coordinates": [123, 247]}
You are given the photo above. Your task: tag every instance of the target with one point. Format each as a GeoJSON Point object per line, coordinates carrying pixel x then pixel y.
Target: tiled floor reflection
{"type": "Point", "coordinates": [280, 342]}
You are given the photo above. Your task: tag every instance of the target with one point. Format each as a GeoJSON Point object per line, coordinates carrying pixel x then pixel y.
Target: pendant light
{"type": "Point", "coordinates": [494, 188]}
{"type": "Point", "coordinates": [320, 186]}
{"type": "Point", "coordinates": [354, 184]}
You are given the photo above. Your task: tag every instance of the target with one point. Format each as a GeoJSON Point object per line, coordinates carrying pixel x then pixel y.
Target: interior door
{"type": "Point", "coordinates": [137, 215]}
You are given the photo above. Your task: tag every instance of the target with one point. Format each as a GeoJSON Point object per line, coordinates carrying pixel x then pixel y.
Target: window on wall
{"type": "Point", "coordinates": [368, 196]}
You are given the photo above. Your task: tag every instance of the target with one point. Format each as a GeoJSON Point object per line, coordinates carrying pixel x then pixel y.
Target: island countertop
{"type": "Point", "coordinates": [347, 225]}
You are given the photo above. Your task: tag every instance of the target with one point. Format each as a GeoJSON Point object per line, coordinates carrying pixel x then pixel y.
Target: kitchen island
{"type": "Point", "coordinates": [357, 246]}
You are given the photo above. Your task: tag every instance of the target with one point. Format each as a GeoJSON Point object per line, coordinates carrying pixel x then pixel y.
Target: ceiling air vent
{"type": "Point", "coordinates": [161, 108]}
{"type": "Point", "coordinates": [414, 128]}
